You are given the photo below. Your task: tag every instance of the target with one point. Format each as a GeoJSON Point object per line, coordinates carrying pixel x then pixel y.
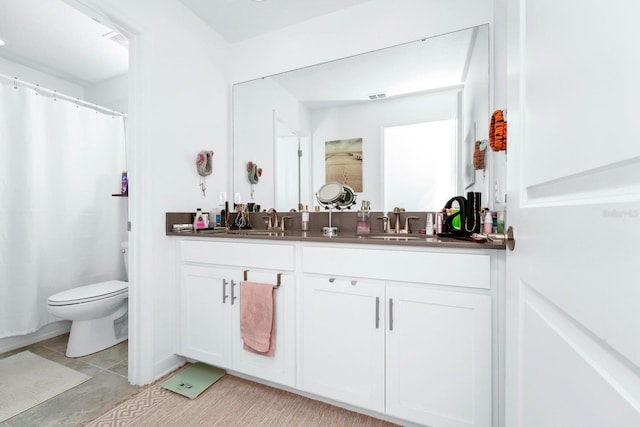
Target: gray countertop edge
{"type": "Point", "coordinates": [314, 236]}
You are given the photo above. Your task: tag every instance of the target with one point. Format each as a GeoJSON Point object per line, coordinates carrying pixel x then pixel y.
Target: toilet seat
{"type": "Point", "coordinates": [89, 293]}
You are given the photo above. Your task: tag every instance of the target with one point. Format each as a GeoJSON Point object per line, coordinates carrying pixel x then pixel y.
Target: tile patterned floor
{"type": "Point", "coordinates": [108, 386]}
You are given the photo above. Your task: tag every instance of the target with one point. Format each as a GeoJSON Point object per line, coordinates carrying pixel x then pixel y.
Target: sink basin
{"type": "Point", "coordinates": [395, 237]}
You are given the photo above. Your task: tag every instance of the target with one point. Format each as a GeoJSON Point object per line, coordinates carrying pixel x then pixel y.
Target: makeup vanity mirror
{"type": "Point", "coordinates": [402, 120]}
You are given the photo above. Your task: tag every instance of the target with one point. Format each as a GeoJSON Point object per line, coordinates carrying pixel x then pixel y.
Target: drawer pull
{"type": "Point", "coordinates": [332, 279]}
{"type": "Point", "coordinates": [354, 282]}
{"type": "Point", "coordinates": [233, 297]}
{"type": "Point", "coordinates": [224, 291]}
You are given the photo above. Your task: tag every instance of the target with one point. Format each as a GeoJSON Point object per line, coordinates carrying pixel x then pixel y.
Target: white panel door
{"type": "Point", "coordinates": [438, 357]}
{"type": "Point", "coordinates": [573, 293]}
{"type": "Point", "coordinates": [343, 341]}
{"type": "Point", "coordinates": [205, 307]}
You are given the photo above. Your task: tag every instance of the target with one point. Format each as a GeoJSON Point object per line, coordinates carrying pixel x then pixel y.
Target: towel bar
{"type": "Point", "coordinates": [278, 280]}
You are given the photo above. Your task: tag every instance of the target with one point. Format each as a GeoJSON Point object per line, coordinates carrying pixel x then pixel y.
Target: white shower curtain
{"type": "Point", "coordinates": [59, 225]}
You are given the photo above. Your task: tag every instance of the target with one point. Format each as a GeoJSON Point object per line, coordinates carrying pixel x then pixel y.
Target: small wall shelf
{"type": "Point", "coordinates": [120, 195]}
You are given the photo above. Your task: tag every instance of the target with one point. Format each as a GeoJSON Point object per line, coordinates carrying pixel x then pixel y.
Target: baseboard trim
{"type": "Point", "coordinates": [166, 366]}
{"type": "Point", "coordinates": [48, 331]}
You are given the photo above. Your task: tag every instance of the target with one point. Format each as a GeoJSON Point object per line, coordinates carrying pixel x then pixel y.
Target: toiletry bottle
{"type": "Point", "coordinates": [304, 218]}
{"type": "Point", "coordinates": [429, 227]}
{"type": "Point", "coordinates": [214, 217]}
{"type": "Point", "coordinates": [198, 220]}
{"type": "Point", "coordinates": [500, 222]}
{"type": "Point", "coordinates": [124, 184]}
{"type": "Point", "coordinates": [364, 222]}
{"type": "Point", "coordinates": [439, 222]}
{"type": "Point", "coordinates": [488, 222]}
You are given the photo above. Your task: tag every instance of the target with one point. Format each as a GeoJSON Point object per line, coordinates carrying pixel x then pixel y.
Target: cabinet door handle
{"type": "Point", "coordinates": [391, 314]}
{"type": "Point", "coordinates": [354, 282]}
{"type": "Point", "coordinates": [332, 279]}
{"type": "Point", "coordinates": [377, 312]}
{"type": "Point", "coordinates": [224, 291]}
{"type": "Point", "coordinates": [233, 296]}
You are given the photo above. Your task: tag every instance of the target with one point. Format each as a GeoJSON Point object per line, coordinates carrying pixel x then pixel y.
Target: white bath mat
{"type": "Point", "coordinates": [26, 380]}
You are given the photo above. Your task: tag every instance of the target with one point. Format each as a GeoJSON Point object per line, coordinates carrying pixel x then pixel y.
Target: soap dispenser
{"type": "Point", "coordinates": [364, 222]}
{"type": "Point", "coordinates": [198, 220]}
{"type": "Point", "coordinates": [304, 218]}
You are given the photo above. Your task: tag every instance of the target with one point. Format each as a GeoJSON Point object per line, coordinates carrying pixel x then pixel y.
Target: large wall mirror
{"type": "Point", "coordinates": [398, 123]}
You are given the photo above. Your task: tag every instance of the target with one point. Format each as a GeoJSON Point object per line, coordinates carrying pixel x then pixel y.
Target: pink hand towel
{"type": "Point", "coordinates": [257, 318]}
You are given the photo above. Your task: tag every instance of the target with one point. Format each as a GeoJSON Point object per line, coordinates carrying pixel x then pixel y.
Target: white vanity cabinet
{"type": "Point", "coordinates": [211, 276]}
{"type": "Point", "coordinates": [402, 332]}
{"type": "Point", "coordinates": [205, 311]}
{"type": "Point", "coordinates": [343, 340]}
{"type": "Point", "coordinates": [438, 356]}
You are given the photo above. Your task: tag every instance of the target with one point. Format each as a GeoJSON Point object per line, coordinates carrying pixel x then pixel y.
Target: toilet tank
{"type": "Point", "coordinates": [125, 255]}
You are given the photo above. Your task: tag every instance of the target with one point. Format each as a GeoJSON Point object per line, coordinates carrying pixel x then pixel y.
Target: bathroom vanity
{"type": "Point", "coordinates": [404, 329]}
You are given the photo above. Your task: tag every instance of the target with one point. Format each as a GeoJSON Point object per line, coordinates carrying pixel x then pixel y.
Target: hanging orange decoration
{"type": "Point", "coordinates": [498, 131]}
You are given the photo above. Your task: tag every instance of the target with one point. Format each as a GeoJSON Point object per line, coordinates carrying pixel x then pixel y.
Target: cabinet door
{"type": "Point", "coordinates": [206, 314]}
{"type": "Point", "coordinates": [439, 356]}
{"type": "Point", "coordinates": [281, 367]}
{"type": "Point", "coordinates": [343, 341]}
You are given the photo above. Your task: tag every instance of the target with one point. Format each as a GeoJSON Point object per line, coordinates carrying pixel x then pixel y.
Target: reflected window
{"type": "Point", "coordinates": [419, 165]}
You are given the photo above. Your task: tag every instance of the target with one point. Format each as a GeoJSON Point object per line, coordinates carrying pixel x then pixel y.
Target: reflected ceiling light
{"type": "Point", "coordinates": [2, 43]}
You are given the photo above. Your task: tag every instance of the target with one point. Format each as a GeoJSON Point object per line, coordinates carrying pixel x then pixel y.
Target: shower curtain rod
{"type": "Point", "coordinates": [56, 95]}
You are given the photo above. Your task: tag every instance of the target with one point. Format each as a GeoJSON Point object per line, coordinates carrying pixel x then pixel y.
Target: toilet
{"type": "Point", "coordinates": [98, 313]}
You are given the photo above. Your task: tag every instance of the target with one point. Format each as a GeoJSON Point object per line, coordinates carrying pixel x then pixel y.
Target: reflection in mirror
{"type": "Point", "coordinates": [287, 167]}
{"type": "Point", "coordinates": [439, 79]}
{"type": "Point", "coordinates": [419, 165]}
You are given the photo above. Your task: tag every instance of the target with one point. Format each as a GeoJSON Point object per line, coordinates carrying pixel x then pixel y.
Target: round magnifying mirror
{"type": "Point", "coordinates": [348, 197]}
{"type": "Point", "coordinates": [330, 193]}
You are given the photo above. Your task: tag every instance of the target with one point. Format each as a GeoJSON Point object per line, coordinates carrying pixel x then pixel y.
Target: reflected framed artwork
{"type": "Point", "coordinates": [343, 162]}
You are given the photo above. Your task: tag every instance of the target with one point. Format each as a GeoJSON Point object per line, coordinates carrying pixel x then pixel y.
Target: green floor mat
{"type": "Point", "coordinates": [195, 379]}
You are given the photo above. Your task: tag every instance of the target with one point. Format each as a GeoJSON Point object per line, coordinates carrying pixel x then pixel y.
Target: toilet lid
{"type": "Point", "coordinates": [87, 293]}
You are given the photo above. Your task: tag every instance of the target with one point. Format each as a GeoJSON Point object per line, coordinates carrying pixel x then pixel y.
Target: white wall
{"type": "Point", "coordinates": [47, 81]}
{"type": "Point", "coordinates": [110, 93]}
{"type": "Point", "coordinates": [366, 121]}
{"type": "Point", "coordinates": [497, 186]}
{"type": "Point", "coordinates": [368, 26]}
{"type": "Point", "coordinates": [179, 106]}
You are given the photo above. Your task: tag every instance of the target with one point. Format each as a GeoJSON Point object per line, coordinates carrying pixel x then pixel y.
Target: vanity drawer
{"type": "Point", "coordinates": [468, 270]}
{"type": "Point", "coordinates": [254, 255]}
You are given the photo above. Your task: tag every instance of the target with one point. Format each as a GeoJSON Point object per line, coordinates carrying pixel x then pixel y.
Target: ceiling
{"type": "Point", "coordinates": [420, 66]}
{"type": "Point", "coordinates": [52, 37]}
{"type": "Point", "coordinates": [237, 20]}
